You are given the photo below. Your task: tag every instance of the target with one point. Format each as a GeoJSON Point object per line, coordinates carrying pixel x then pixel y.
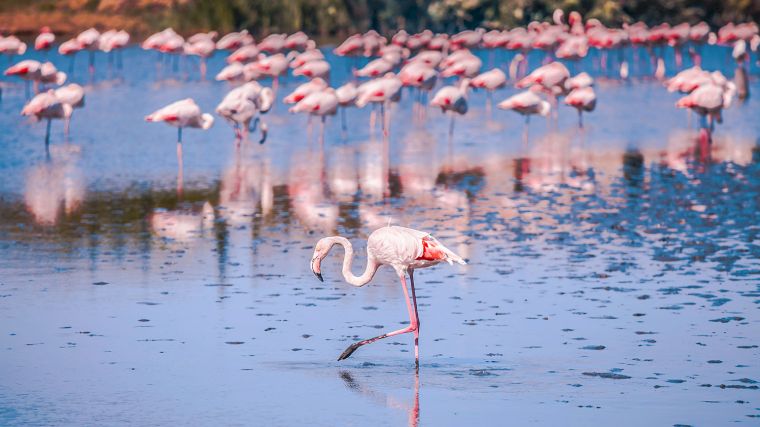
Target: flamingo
{"type": "Point", "coordinates": [234, 40]}
{"type": "Point", "coordinates": [273, 66]}
{"type": "Point", "coordinates": [405, 250]}
{"type": "Point", "coordinates": [582, 99]}
{"type": "Point", "coordinates": [44, 40]}
{"type": "Point", "coordinates": [203, 48]}
{"type": "Point", "coordinates": [526, 103]}
{"type": "Point", "coordinates": [347, 95]}
{"type": "Point", "coordinates": [45, 106]}
{"type": "Point", "coordinates": [381, 91]}
{"type": "Point", "coordinates": [31, 70]}
{"type": "Point", "coordinates": [322, 103]}
{"type": "Point", "coordinates": [181, 114]}
{"type": "Point", "coordinates": [299, 59]}
{"type": "Point", "coordinates": [374, 68]}
{"type": "Point", "coordinates": [88, 39]}
{"type": "Point", "coordinates": [297, 41]}
{"type": "Point", "coordinates": [242, 104]}
{"type": "Point", "coordinates": [420, 75]}
{"type": "Point", "coordinates": [273, 43]}
{"type": "Point", "coordinates": [452, 99]}
{"type": "Point", "coordinates": [184, 113]}
{"type": "Point", "coordinates": [71, 96]}
{"type": "Point", "coordinates": [111, 41]}
{"type": "Point", "coordinates": [244, 54]}
{"type": "Point", "coordinates": [741, 56]}
{"type": "Point", "coordinates": [315, 68]}
{"type": "Point", "coordinates": [708, 101]}
{"type": "Point", "coordinates": [11, 46]}
{"type": "Point", "coordinates": [490, 81]}
{"type": "Point", "coordinates": [305, 89]}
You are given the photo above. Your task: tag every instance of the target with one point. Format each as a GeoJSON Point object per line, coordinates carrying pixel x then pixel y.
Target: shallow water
{"type": "Point", "coordinates": [613, 272]}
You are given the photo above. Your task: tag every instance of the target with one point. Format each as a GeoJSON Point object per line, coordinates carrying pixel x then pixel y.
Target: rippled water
{"type": "Point", "coordinates": [613, 272]}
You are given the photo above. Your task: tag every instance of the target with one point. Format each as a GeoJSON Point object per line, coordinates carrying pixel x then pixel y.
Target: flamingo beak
{"type": "Point", "coordinates": [316, 270]}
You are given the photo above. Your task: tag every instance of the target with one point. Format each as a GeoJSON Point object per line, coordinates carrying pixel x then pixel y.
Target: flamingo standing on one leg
{"type": "Point", "coordinates": [45, 106]}
{"type": "Point", "coordinates": [184, 113]}
{"type": "Point", "coordinates": [452, 99]}
{"type": "Point", "coordinates": [71, 96]}
{"type": "Point", "coordinates": [44, 40]}
{"type": "Point", "coordinates": [402, 248]}
{"type": "Point", "coordinates": [526, 103]}
{"type": "Point", "coordinates": [322, 103]}
{"type": "Point", "coordinates": [582, 99]}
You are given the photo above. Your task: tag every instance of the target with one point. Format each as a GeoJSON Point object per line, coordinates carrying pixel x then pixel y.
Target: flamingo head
{"type": "Point", "coordinates": [320, 252]}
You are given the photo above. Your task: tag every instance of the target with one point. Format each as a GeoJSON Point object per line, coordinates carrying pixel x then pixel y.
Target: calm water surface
{"type": "Point", "coordinates": [613, 272]}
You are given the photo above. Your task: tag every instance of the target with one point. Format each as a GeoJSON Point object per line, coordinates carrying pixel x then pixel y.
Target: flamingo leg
{"type": "Point", "coordinates": [180, 169]}
{"type": "Point", "coordinates": [413, 326]}
{"type": "Point", "coordinates": [47, 135]}
{"type": "Point", "coordinates": [264, 132]}
{"type": "Point", "coordinates": [416, 316]}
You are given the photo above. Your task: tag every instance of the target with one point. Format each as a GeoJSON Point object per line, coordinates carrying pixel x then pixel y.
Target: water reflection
{"type": "Point", "coordinates": [559, 188]}
{"type": "Point", "coordinates": [55, 187]}
{"type": "Point", "coordinates": [413, 408]}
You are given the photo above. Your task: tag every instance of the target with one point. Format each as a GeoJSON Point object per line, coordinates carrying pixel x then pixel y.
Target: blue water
{"type": "Point", "coordinates": [613, 272]}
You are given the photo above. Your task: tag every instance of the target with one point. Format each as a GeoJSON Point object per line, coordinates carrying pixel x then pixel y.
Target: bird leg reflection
{"type": "Point", "coordinates": [414, 411]}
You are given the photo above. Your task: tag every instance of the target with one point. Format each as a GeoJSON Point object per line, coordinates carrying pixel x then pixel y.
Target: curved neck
{"type": "Point", "coordinates": [348, 259]}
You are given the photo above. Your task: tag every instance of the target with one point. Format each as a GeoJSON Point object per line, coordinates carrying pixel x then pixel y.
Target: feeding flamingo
{"type": "Point", "coordinates": [405, 250]}
{"type": "Point", "coordinates": [242, 104]}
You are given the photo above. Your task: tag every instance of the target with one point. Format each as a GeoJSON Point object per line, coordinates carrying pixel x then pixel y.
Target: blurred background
{"type": "Point", "coordinates": [330, 20]}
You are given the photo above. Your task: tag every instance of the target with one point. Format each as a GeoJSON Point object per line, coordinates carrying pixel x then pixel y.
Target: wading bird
{"type": "Point", "coordinates": [402, 248]}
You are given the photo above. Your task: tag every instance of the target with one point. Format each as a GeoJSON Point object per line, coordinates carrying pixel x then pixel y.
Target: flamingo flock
{"type": "Point", "coordinates": [439, 71]}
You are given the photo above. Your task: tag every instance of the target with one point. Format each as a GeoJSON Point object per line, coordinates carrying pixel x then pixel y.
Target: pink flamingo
{"type": "Point", "coordinates": [88, 39]}
{"type": "Point", "coordinates": [184, 113]}
{"type": "Point", "coordinates": [71, 96]}
{"type": "Point", "coordinates": [113, 41]}
{"type": "Point", "coordinates": [347, 95]}
{"type": "Point", "coordinates": [490, 81]}
{"type": "Point", "coordinates": [582, 99]}
{"type": "Point", "coordinates": [299, 59]}
{"type": "Point", "coordinates": [273, 66]}
{"type": "Point", "coordinates": [273, 43]}
{"type": "Point", "coordinates": [31, 70]}
{"type": "Point", "coordinates": [422, 76]}
{"type": "Point", "coordinates": [305, 89]}
{"type": "Point", "coordinates": [297, 41]}
{"type": "Point", "coordinates": [203, 48]}
{"type": "Point", "coordinates": [246, 53]}
{"type": "Point", "coordinates": [234, 40]}
{"type": "Point", "coordinates": [526, 103]}
{"type": "Point", "coordinates": [374, 68]}
{"type": "Point", "coordinates": [452, 99]}
{"type": "Point", "coordinates": [708, 101]}
{"type": "Point", "coordinates": [322, 104]}
{"type": "Point", "coordinates": [402, 248]}
{"type": "Point", "coordinates": [316, 68]}
{"type": "Point", "coordinates": [242, 104]}
{"type": "Point", "coordinates": [45, 106]}
{"type": "Point", "coordinates": [44, 40]}
{"type": "Point", "coordinates": [549, 78]}
{"type": "Point", "coordinates": [380, 91]}
{"type": "Point", "coordinates": [11, 46]}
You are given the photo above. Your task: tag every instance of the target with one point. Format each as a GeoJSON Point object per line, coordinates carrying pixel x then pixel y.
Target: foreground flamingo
{"type": "Point", "coordinates": [71, 96]}
{"type": "Point", "coordinates": [45, 106]}
{"type": "Point", "coordinates": [402, 248]}
{"type": "Point", "coordinates": [582, 99]}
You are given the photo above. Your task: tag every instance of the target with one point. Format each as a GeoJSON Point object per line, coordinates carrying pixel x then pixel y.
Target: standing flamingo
{"type": "Point", "coordinates": [321, 103]}
{"type": "Point", "coordinates": [526, 103]}
{"type": "Point", "coordinates": [44, 40]}
{"type": "Point", "coordinates": [582, 99]}
{"type": "Point", "coordinates": [184, 113]}
{"type": "Point", "coordinates": [71, 96]}
{"type": "Point", "coordinates": [45, 106]}
{"type": "Point", "coordinates": [402, 248]}
{"type": "Point", "coordinates": [490, 81]}
{"type": "Point", "coordinates": [452, 99]}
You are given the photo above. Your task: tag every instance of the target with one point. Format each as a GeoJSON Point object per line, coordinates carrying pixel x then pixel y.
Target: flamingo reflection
{"type": "Point", "coordinates": [55, 186]}
{"type": "Point", "coordinates": [413, 410]}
